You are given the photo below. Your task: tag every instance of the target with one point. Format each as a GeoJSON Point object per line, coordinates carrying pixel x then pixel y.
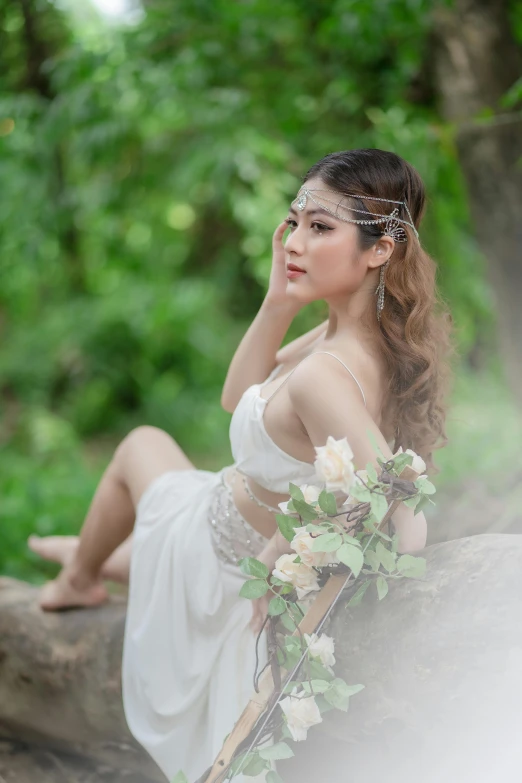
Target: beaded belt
{"type": "Point", "coordinates": [233, 537]}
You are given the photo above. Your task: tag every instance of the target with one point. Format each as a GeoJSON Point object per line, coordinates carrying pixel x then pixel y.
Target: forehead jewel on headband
{"type": "Point", "coordinates": [392, 222]}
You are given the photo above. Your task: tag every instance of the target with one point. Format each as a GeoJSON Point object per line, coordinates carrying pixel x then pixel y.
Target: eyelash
{"type": "Point", "coordinates": [320, 227]}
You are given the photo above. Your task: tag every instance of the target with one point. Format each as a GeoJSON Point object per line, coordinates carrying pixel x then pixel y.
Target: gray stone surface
{"type": "Point", "coordinates": [441, 659]}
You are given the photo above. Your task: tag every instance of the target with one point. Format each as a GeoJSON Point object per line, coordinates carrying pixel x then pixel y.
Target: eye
{"type": "Point", "coordinates": [291, 223]}
{"type": "Point", "coordinates": [320, 227]}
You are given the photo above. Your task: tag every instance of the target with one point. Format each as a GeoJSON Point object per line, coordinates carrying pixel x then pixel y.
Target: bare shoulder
{"type": "Point", "coordinates": [298, 347]}
{"type": "Point", "coordinates": [351, 375]}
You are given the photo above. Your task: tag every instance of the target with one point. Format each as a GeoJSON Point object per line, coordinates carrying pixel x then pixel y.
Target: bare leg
{"type": "Point", "coordinates": [142, 456]}
{"type": "Point", "coordinates": [61, 549]}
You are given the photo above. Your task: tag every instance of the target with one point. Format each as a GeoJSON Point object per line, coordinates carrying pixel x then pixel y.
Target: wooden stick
{"type": "Point", "coordinates": [310, 622]}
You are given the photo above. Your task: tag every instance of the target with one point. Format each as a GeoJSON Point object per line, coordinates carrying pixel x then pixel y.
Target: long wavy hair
{"type": "Point", "coordinates": [413, 334]}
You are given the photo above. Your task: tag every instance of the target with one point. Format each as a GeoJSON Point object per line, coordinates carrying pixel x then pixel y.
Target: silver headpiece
{"type": "Point", "coordinates": [393, 224]}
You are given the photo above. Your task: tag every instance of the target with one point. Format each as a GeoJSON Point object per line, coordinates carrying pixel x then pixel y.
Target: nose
{"type": "Point", "coordinates": [295, 242]}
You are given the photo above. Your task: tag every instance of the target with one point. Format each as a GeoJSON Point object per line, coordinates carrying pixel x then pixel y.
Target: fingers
{"type": "Point", "coordinates": [277, 238]}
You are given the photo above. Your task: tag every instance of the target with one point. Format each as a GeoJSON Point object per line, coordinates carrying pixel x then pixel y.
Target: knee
{"type": "Point", "coordinates": [138, 439]}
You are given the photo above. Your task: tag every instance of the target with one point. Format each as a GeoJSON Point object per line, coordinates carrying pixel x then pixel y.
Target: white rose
{"type": "Point", "coordinates": [334, 464]}
{"type": "Point", "coordinates": [321, 647]}
{"type": "Point", "coordinates": [300, 575]}
{"type": "Point", "coordinates": [418, 463]}
{"type": "Point", "coordinates": [301, 713]}
{"type": "Point", "coordinates": [361, 477]}
{"type": "Point", "coordinates": [302, 544]}
{"type": "Point", "coordinates": [310, 494]}
{"type": "Point", "coordinates": [284, 508]}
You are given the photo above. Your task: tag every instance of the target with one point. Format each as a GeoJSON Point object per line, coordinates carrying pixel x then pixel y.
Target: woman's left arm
{"type": "Point", "coordinates": [329, 402]}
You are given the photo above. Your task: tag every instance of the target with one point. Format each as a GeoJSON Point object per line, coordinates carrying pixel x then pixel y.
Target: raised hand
{"type": "Point", "coordinates": [278, 282]}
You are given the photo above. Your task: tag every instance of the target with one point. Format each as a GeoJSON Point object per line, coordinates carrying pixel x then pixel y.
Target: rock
{"type": "Point", "coordinates": [60, 680]}
{"type": "Point", "coordinates": [441, 659]}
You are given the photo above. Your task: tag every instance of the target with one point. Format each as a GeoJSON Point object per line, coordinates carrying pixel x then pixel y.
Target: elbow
{"type": "Point", "coordinates": [227, 404]}
{"type": "Point", "coordinates": [413, 533]}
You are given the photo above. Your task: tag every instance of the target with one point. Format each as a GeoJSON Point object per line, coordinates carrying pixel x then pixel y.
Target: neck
{"type": "Point", "coordinates": [348, 315]}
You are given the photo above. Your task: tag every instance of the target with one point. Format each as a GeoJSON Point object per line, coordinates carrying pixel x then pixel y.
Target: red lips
{"type": "Point", "coordinates": [294, 268]}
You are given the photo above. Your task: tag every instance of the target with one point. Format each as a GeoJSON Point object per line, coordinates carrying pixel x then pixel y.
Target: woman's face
{"type": "Point", "coordinates": [326, 249]}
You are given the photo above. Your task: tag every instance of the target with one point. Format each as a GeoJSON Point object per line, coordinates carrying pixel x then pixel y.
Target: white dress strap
{"type": "Point", "coordinates": [315, 354]}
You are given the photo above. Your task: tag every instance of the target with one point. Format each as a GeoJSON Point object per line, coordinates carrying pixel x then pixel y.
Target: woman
{"type": "Point", "coordinates": [374, 368]}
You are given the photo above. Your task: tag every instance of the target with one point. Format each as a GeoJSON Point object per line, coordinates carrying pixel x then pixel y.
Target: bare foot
{"type": "Point", "coordinates": [62, 549]}
{"type": "Point", "coordinates": [58, 549]}
{"type": "Point", "coordinates": [61, 593]}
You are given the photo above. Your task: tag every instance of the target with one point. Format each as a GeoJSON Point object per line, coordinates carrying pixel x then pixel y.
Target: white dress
{"type": "Point", "coordinates": [189, 655]}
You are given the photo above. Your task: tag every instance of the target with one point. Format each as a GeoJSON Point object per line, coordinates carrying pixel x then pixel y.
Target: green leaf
{"type": "Point", "coordinates": [413, 501]}
{"type": "Point", "coordinates": [180, 778]}
{"type": "Point", "coordinates": [256, 765]}
{"type": "Point", "coordinates": [352, 557]}
{"type": "Point", "coordinates": [425, 486]}
{"type": "Point", "coordinates": [305, 510]}
{"type": "Point", "coordinates": [252, 567]}
{"type": "Point", "coordinates": [387, 558]}
{"type": "Point", "coordinates": [287, 525]}
{"type": "Point", "coordinates": [276, 606]}
{"type": "Point", "coordinates": [357, 597]}
{"type": "Point", "coordinates": [395, 543]}
{"type": "Point", "coordinates": [372, 473]}
{"type": "Point", "coordinates": [254, 588]}
{"type": "Point", "coordinates": [277, 752]}
{"type": "Point", "coordinates": [408, 565]}
{"type": "Point", "coordinates": [372, 559]}
{"type": "Point", "coordinates": [400, 462]}
{"type": "Point", "coordinates": [295, 492]}
{"type": "Point", "coordinates": [316, 686]}
{"type": "Point", "coordinates": [360, 492]}
{"type": "Point", "coordinates": [318, 671]}
{"type": "Point", "coordinates": [339, 694]}
{"type": "Point", "coordinates": [273, 777]}
{"type": "Point", "coordinates": [327, 503]}
{"type": "Point", "coordinates": [423, 502]}
{"type": "Point", "coordinates": [379, 505]}
{"type": "Point", "coordinates": [375, 445]}
{"type": "Point", "coordinates": [327, 542]}
{"type": "Point", "coordinates": [288, 622]}
{"type": "Point", "coordinates": [382, 587]}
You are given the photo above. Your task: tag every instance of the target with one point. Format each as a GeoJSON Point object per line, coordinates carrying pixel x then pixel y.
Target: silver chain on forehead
{"type": "Point", "coordinates": [392, 222]}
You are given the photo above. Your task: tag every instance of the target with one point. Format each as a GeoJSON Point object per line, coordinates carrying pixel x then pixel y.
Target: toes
{"type": "Point", "coordinates": [58, 595]}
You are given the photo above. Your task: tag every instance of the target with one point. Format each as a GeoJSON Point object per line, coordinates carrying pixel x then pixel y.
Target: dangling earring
{"type": "Point", "coordinates": [380, 290]}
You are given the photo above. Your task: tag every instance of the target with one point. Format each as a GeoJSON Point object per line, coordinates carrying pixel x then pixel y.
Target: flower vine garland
{"type": "Point", "coordinates": [332, 531]}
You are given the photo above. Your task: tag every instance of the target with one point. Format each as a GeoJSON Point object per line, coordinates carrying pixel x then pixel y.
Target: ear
{"type": "Point", "coordinates": [380, 252]}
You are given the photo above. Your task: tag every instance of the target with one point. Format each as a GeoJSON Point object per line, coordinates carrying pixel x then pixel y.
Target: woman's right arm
{"type": "Point", "coordinates": [254, 358]}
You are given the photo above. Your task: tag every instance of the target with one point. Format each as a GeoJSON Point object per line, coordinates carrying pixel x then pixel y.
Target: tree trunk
{"type": "Point", "coordinates": [477, 60]}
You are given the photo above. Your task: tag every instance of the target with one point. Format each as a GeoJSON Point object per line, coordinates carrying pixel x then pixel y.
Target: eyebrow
{"type": "Point", "coordinates": [317, 211]}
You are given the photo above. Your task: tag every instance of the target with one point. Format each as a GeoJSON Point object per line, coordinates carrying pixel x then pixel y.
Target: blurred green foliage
{"type": "Point", "coordinates": [143, 169]}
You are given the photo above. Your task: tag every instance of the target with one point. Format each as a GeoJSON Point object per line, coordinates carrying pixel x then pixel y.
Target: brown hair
{"type": "Point", "coordinates": [413, 334]}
